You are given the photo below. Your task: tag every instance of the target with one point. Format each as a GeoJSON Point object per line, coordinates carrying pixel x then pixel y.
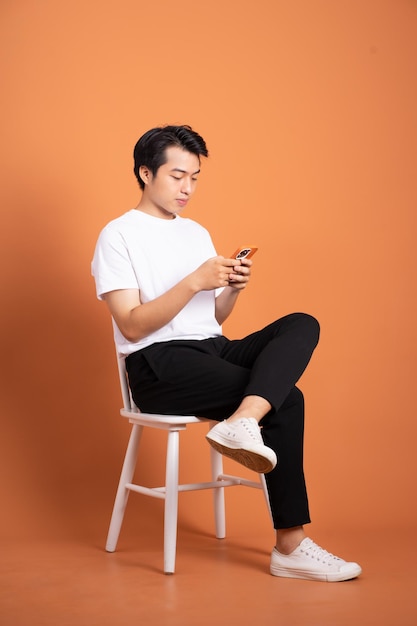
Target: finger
{"type": "Point", "coordinates": [238, 278]}
{"type": "Point", "coordinates": [242, 271]}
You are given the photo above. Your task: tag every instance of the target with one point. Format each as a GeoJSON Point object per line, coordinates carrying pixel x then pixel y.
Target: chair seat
{"type": "Point", "coordinates": [156, 420]}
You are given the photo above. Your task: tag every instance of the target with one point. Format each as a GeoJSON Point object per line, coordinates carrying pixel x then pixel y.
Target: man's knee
{"type": "Point", "coordinates": [313, 327]}
{"type": "Point", "coordinates": [308, 327]}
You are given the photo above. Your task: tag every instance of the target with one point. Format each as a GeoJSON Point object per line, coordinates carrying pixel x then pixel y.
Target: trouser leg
{"type": "Point", "coordinates": [283, 431]}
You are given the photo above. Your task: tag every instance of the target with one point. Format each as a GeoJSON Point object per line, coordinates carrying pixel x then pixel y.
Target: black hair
{"type": "Point", "coordinates": [150, 150]}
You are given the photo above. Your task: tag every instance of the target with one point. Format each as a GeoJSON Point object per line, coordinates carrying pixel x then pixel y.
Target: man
{"type": "Point", "coordinates": [168, 293]}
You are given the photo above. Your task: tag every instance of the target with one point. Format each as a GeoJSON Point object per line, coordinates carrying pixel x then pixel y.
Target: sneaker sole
{"type": "Point", "coordinates": [332, 577]}
{"type": "Point", "coordinates": [251, 460]}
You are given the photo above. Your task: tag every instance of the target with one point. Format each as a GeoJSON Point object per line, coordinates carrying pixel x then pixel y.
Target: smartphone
{"type": "Point", "coordinates": [244, 252]}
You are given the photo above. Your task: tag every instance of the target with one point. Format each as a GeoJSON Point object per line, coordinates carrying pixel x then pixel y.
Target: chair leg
{"type": "Point", "coordinates": [171, 502]}
{"type": "Point", "coordinates": [122, 494]}
{"type": "Point", "coordinates": [218, 494]}
{"type": "Point", "coordinates": [265, 492]}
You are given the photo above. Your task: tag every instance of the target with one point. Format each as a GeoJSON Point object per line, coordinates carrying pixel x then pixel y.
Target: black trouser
{"type": "Point", "coordinates": [210, 377]}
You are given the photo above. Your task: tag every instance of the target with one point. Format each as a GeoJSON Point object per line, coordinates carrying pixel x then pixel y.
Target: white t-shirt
{"type": "Point", "coordinates": [139, 251]}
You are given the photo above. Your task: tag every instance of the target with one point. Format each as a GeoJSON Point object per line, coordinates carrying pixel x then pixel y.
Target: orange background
{"type": "Point", "coordinates": [309, 112]}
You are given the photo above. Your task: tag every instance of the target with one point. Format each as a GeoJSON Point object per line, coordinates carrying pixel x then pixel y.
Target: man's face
{"type": "Point", "coordinates": [169, 191]}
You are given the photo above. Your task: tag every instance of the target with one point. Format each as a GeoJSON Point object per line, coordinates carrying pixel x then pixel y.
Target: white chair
{"type": "Point", "coordinates": [173, 424]}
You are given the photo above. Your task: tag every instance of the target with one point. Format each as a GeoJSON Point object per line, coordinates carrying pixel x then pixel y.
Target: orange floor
{"type": "Point", "coordinates": [75, 582]}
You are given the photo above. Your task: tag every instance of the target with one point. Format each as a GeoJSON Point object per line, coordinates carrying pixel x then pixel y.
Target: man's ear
{"type": "Point", "coordinates": [145, 174]}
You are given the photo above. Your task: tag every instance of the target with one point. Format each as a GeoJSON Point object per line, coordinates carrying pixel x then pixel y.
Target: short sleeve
{"type": "Point", "coordinates": [111, 266]}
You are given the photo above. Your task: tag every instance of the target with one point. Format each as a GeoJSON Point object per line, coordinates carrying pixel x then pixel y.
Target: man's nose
{"type": "Point", "coordinates": [186, 186]}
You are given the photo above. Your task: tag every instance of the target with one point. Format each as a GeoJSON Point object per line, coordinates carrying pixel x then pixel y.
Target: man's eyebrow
{"type": "Point", "coordinates": [178, 169]}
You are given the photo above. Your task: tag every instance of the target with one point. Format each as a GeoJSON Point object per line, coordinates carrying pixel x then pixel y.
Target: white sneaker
{"type": "Point", "coordinates": [311, 562]}
{"type": "Point", "coordinates": [242, 441]}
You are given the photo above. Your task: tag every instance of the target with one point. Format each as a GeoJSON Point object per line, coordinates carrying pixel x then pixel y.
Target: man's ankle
{"type": "Point", "coordinates": [288, 539]}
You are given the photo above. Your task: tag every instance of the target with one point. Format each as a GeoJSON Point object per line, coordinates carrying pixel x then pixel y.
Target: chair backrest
{"type": "Point", "coordinates": [128, 403]}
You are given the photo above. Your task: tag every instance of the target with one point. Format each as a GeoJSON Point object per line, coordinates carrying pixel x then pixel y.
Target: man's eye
{"type": "Point", "coordinates": [176, 177]}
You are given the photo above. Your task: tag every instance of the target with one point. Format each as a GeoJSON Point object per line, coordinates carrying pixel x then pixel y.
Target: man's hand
{"type": "Point", "coordinates": [216, 272]}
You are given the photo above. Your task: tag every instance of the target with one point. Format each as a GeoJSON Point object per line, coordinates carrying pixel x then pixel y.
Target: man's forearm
{"type": "Point", "coordinates": [136, 321]}
{"type": "Point", "coordinates": [225, 303]}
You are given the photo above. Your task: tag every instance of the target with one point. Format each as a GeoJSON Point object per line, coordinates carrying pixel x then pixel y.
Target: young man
{"type": "Point", "coordinates": [168, 293]}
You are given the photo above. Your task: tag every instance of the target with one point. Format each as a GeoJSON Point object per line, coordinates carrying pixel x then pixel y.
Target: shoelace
{"type": "Point", "coordinates": [253, 431]}
{"type": "Point", "coordinates": [316, 552]}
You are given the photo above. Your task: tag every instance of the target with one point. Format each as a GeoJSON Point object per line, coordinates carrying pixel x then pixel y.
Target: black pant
{"type": "Point", "coordinates": [210, 377]}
